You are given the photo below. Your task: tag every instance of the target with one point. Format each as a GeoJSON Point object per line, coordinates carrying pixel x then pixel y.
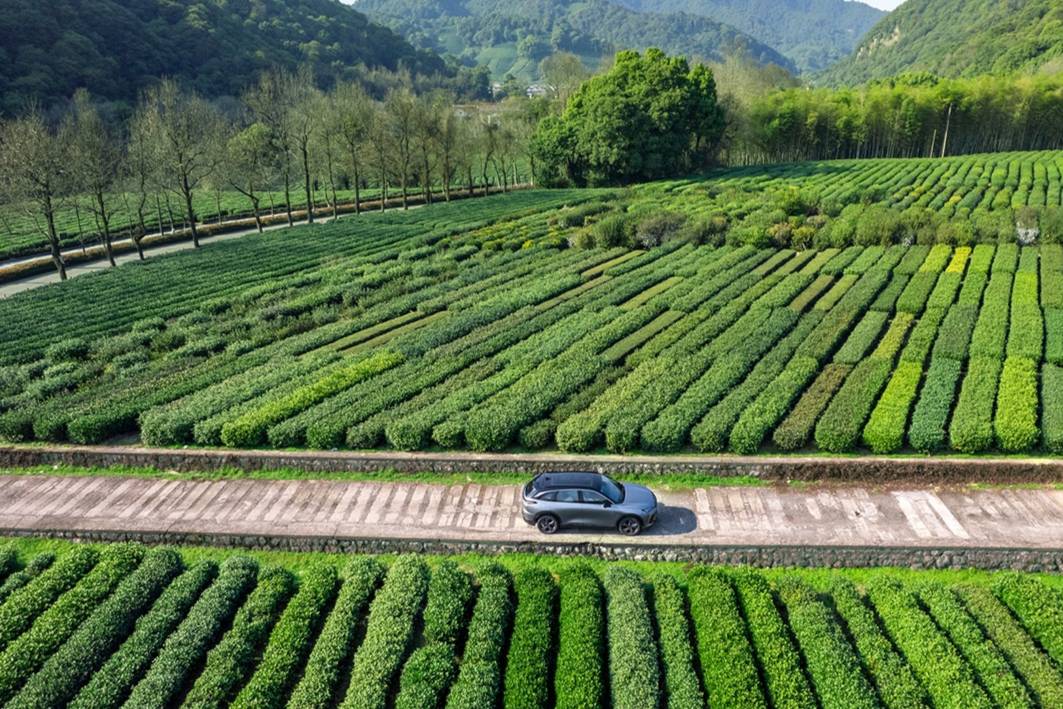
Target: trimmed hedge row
{"type": "Point", "coordinates": [233, 659]}
{"type": "Point", "coordinates": [290, 641]}
{"type": "Point", "coordinates": [634, 674]}
{"type": "Point", "coordinates": [388, 634]}
{"type": "Point", "coordinates": [884, 432]}
{"type": "Point", "coordinates": [947, 677]}
{"type": "Point", "coordinates": [335, 645]}
{"type": "Point", "coordinates": [426, 676]}
{"type": "Point", "coordinates": [1038, 607]}
{"type": "Point", "coordinates": [863, 336]}
{"type": "Point", "coordinates": [480, 675]}
{"type": "Point", "coordinates": [1016, 416]}
{"type": "Point", "coordinates": [185, 648]}
{"type": "Point", "coordinates": [990, 332]}
{"type": "Point", "coordinates": [839, 428]}
{"type": "Point", "coordinates": [779, 661]}
{"type": "Point", "coordinates": [528, 676]}
{"type": "Point", "coordinates": [832, 662]}
{"type": "Point", "coordinates": [991, 667]}
{"type": "Point", "coordinates": [449, 593]}
{"type": "Point", "coordinates": [793, 433]}
{"type": "Point", "coordinates": [36, 566]}
{"type": "Point", "coordinates": [1052, 407]}
{"type": "Point", "coordinates": [25, 655]}
{"type": "Point", "coordinates": [680, 679]}
{"type": "Point", "coordinates": [727, 661]}
{"type": "Point", "coordinates": [971, 430]}
{"type": "Point", "coordinates": [928, 431]}
{"type": "Point", "coordinates": [1036, 669]}
{"type": "Point", "coordinates": [250, 429]}
{"type": "Point", "coordinates": [714, 430]}
{"type": "Point", "coordinates": [897, 686]}
{"type": "Point", "coordinates": [65, 671]}
{"type": "Point", "coordinates": [578, 681]}
{"type": "Point", "coordinates": [109, 686]}
{"type": "Point", "coordinates": [771, 405]}
{"type": "Point", "coordinates": [23, 606]}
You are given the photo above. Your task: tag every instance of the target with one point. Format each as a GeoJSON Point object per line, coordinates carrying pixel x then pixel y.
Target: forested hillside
{"type": "Point", "coordinates": [218, 47]}
{"type": "Point", "coordinates": [958, 38]}
{"type": "Point", "coordinates": [812, 33]}
{"type": "Point", "coordinates": [515, 37]}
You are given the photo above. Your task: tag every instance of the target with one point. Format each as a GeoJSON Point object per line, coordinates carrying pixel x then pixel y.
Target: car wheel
{"type": "Point", "coordinates": [547, 524]}
{"type": "Point", "coordinates": [629, 526]}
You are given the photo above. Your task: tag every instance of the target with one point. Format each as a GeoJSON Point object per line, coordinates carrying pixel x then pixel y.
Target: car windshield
{"type": "Point", "coordinates": [611, 489]}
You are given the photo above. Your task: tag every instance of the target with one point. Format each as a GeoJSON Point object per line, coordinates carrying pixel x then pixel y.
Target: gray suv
{"type": "Point", "coordinates": [555, 500]}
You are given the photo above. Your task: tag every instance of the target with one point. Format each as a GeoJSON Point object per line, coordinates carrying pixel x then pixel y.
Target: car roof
{"type": "Point", "coordinates": [556, 481]}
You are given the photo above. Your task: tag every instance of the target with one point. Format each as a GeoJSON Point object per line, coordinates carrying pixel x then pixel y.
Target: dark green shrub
{"type": "Point", "coordinates": [578, 681]}
{"type": "Point", "coordinates": [727, 661]}
{"type": "Point", "coordinates": [290, 641]}
{"type": "Point", "coordinates": [335, 644]}
{"type": "Point", "coordinates": [528, 666]}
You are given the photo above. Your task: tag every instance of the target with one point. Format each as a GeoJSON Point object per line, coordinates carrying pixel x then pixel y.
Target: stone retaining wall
{"type": "Point", "coordinates": [1030, 560]}
{"type": "Point", "coordinates": [925, 470]}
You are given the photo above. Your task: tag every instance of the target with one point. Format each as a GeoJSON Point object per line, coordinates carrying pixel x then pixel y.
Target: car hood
{"type": "Point", "coordinates": [637, 496]}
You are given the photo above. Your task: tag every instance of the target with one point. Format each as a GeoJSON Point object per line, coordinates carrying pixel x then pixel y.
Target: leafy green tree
{"type": "Point", "coordinates": [651, 116]}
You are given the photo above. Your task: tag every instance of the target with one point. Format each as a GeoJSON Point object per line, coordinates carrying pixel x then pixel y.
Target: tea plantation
{"type": "Point", "coordinates": [735, 313]}
{"type": "Point", "coordinates": [132, 626]}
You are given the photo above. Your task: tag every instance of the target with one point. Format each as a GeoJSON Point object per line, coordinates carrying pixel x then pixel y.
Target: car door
{"type": "Point", "coordinates": [596, 509]}
{"type": "Point", "coordinates": [567, 507]}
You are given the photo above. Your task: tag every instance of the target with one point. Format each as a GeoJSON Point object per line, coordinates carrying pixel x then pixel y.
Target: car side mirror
{"type": "Point", "coordinates": [607, 504]}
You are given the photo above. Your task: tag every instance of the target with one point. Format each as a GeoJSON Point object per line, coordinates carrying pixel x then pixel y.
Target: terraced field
{"type": "Point", "coordinates": [577, 320]}
{"type": "Point", "coordinates": [125, 625]}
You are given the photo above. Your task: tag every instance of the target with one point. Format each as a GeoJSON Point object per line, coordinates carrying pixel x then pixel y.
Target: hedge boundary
{"type": "Point", "coordinates": [782, 468]}
{"type": "Point", "coordinates": [764, 556]}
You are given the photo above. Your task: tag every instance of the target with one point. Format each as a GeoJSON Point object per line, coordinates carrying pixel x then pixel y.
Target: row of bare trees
{"type": "Point", "coordinates": [284, 136]}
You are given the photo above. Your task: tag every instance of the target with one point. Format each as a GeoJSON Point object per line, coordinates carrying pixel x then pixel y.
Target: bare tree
{"type": "Point", "coordinates": [401, 109]}
{"type": "Point", "coordinates": [380, 142]}
{"type": "Point", "coordinates": [426, 127]}
{"type": "Point", "coordinates": [138, 171]}
{"type": "Point", "coordinates": [448, 138]}
{"type": "Point", "coordinates": [33, 162]}
{"type": "Point", "coordinates": [269, 101]}
{"type": "Point", "coordinates": [185, 133]}
{"type": "Point", "coordinates": [248, 165]}
{"type": "Point", "coordinates": [94, 161]}
{"type": "Point", "coordinates": [299, 101]}
{"type": "Point", "coordinates": [329, 139]}
{"type": "Point", "coordinates": [353, 116]}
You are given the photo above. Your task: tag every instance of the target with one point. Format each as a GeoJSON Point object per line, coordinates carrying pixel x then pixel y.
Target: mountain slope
{"type": "Point", "coordinates": [511, 37]}
{"type": "Point", "coordinates": [116, 47]}
{"type": "Point", "coordinates": [958, 38]}
{"type": "Point", "coordinates": [812, 33]}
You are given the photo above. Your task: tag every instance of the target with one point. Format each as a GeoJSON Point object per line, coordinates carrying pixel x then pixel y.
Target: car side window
{"type": "Point", "coordinates": [592, 497]}
{"type": "Point", "coordinates": [548, 497]}
{"type": "Point", "coordinates": [567, 496]}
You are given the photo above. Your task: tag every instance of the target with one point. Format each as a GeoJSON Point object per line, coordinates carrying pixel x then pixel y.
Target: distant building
{"type": "Point", "coordinates": [540, 90]}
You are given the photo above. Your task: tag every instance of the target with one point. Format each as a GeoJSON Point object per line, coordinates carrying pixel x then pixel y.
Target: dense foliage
{"type": "Point", "coordinates": [913, 115]}
{"type": "Point", "coordinates": [958, 38]}
{"type": "Point", "coordinates": [165, 630]}
{"type": "Point", "coordinates": [650, 116]}
{"type": "Point", "coordinates": [513, 38]}
{"type": "Point", "coordinates": [115, 49]}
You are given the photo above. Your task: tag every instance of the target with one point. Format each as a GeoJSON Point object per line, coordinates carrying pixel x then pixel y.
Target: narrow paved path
{"type": "Point", "coordinates": [756, 516]}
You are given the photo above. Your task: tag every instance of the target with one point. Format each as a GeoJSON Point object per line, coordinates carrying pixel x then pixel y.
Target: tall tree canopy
{"type": "Point", "coordinates": [217, 47]}
{"type": "Point", "coordinates": [651, 116]}
{"type": "Point", "coordinates": [958, 38]}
